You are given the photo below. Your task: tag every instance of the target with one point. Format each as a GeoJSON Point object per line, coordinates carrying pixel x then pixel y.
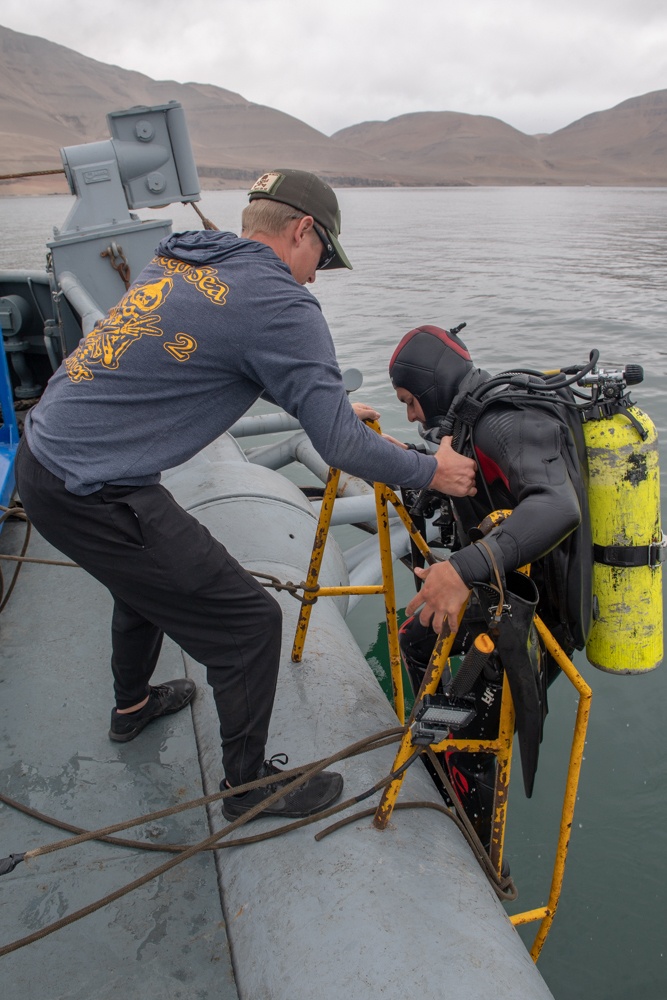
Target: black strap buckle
{"type": "Point", "coordinates": [658, 552]}
{"type": "Point", "coordinates": [629, 556]}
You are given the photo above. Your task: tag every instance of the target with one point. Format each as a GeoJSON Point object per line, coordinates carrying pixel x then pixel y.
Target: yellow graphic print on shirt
{"type": "Point", "coordinates": [205, 279]}
{"type": "Point", "coordinates": [182, 346]}
{"type": "Point", "coordinates": [135, 316]}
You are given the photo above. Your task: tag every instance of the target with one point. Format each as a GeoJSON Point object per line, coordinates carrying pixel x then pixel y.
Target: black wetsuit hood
{"type": "Point", "coordinates": [430, 363]}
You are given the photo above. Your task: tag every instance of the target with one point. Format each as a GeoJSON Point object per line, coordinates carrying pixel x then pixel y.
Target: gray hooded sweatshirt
{"type": "Point", "coordinates": [208, 326]}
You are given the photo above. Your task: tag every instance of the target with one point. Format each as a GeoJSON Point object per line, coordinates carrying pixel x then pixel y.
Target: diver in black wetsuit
{"type": "Point", "coordinates": [529, 461]}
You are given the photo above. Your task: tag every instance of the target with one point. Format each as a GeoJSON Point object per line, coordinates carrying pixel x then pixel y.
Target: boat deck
{"type": "Point", "coordinates": [164, 941]}
{"type": "Point", "coordinates": [348, 916]}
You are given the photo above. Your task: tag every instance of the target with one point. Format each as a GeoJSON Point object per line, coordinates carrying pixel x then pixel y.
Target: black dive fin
{"type": "Point", "coordinates": [518, 647]}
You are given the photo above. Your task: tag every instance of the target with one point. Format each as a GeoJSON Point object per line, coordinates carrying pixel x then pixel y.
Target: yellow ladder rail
{"type": "Point", "coordinates": [383, 496]}
{"type": "Point", "coordinates": [311, 588]}
{"type": "Point", "coordinates": [547, 913]}
{"type": "Point", "coordinates": [429, 685]}
{"type": "Point", "coordinates": [389, 591]}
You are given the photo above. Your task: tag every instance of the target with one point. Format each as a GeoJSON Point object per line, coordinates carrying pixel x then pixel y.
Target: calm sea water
{"type": "Point", "coordinates": [541, 276]}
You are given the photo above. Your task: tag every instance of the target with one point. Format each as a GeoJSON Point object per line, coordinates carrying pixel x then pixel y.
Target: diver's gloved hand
{"type": "Point", "coordinates": [443, 595]}
{"type": "Point", "coordinates": [455, 474]}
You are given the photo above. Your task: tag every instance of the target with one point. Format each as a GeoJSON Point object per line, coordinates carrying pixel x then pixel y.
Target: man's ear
{"type": "Point", "coordinates": [303, 228]}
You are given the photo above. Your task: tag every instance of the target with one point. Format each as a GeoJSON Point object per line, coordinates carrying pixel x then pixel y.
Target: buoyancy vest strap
{"type": "Point", "coordinates": [467, 409]}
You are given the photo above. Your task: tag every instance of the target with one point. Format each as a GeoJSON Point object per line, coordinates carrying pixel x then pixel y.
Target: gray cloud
{"type": "Point", "coordinates": [535, 64]}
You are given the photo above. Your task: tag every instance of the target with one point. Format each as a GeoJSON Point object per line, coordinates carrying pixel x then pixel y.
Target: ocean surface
{"type": "Point", "coordinates": [541, 276]}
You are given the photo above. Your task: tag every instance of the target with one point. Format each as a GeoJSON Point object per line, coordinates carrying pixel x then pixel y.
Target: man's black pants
{"type": "Point", "coordinates": [168, 575]}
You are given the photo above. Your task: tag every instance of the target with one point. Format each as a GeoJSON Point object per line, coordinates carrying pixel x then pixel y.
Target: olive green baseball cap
{"type": "Point", "coordinates": [307, 193]}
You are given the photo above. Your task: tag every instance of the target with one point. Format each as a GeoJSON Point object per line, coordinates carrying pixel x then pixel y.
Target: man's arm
{"type": "Point", "coordinates": [454, 473]}
{"type": "Point", "coordinates": [441, 598]}
{"type": "Point", "coordinates": [525, 447]}
{"type": "Point", "coordinates": [295, 361]}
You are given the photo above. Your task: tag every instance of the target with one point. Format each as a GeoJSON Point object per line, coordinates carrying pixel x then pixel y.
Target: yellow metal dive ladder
{"type": "Point", "coordinates": [501, 747]}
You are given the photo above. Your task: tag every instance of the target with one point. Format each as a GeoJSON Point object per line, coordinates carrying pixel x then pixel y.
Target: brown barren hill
{"type": "Point", "coordinates": [51, 96]}
{"type": "Point", "coordinates": [446, 147]}
{"type": "Point", "coordinates": [624, 145]}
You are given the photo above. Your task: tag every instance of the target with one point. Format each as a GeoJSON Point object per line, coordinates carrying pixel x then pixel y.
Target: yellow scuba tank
{"type": "Point", "coordinates": [628, 546]}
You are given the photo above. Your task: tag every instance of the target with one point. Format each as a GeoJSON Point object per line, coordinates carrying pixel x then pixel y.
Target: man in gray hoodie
{"type": "Point", "coordinates": [210, 324]}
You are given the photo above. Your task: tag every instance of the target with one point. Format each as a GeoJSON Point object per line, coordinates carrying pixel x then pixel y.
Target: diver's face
{"type": "Point", "coordinates": [413, 407]}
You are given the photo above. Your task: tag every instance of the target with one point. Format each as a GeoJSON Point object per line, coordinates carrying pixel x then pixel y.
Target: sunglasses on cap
{"type": "Point", "coordinates": [329, 252]}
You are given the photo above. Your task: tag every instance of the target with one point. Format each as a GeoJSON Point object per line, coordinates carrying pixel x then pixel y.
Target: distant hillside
{"type": "Point", "coordinates": [51, 96]}
{"type": "Point", "coordinates": [445, 147]}
{"type": "Point", "coordinates": [626, 145]}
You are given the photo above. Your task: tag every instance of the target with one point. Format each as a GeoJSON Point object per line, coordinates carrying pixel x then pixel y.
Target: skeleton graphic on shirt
{"type": "Point", "coordinates": [136, 316]}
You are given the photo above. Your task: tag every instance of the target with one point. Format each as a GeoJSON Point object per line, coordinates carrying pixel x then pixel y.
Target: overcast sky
{"type": "Point", "coordinates": [536, 64]}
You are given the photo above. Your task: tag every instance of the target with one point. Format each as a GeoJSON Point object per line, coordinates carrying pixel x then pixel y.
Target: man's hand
{"type": "Point", "coordinates": [365, 412]}
{"type": "Point", "coordinates": [393, 440]}
{"type": "Point", "coordinates": [443, 595]}
{"type": "Point", "coordinates": [455, 473]}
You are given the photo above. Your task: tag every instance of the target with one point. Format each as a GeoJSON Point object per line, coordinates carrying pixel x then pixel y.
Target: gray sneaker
{"type": "Point", "coordinates": [311, 797]}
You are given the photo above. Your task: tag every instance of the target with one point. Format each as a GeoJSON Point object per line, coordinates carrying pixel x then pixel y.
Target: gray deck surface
{"type": "Point", "coordinates": [349, 917]}
{"type": "Point", "coordinates": [167, 940]}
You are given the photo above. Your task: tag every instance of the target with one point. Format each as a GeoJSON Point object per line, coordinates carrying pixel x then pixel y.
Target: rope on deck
{"type": "Point", "coordinates": [503, 886]}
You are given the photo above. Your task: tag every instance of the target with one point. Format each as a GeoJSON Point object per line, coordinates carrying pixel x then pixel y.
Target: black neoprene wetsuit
{"type": "Point", "coordinates": [530, 464]}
